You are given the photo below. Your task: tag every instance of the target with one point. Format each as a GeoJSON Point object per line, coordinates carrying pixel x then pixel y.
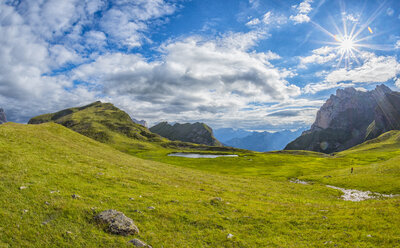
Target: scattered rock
{"type": "Point", "coordinates": [54, 191]}
{"type": "Point", "coordinates": [25, 210]}
{"type": "Point", "coordinates": [229, 236]}
{"type": "Point", "coordinates": [137, 211]}
{"type": "Point", "coordinates": [151, 208]}
{"type": "Point", "coordinates": [22, 187]}
{"type": "Point", "coordinates": [131, 199]}
{"type": "Point", "coordinates": [117, 222]}
{"type": "Point", "coordinates": [298, 181]}
{"type": "Point", "coordinates": [139, 243]}
{"type": "Point", "coordinates": [47, 203]}
{"type": "Point", "coordinates": [216, 200]}
{"type": "Point", "coordinates": [68, 232]}
{"type": "Point", "coordinates": [369, 236]}
{"type": "Point", "coordinates": [74, 196]}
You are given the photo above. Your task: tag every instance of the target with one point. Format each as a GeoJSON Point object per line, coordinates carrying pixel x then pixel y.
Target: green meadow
{"type": "Point", "coordinates": [259, 206]}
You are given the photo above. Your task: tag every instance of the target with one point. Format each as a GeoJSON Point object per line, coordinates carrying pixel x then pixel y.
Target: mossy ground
{"type": "Point", "coordinates": [260, 207]}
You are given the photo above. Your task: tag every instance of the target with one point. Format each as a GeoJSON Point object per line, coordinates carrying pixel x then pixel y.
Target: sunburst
{"type": "Point", "coordinates": [349, 42]}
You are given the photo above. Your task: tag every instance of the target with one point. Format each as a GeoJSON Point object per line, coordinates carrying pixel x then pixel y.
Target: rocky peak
{"type": "Point", "coordinates": [3, 118]}
{"type": "Point", "coordinates": [349, 118]}
{"type": "Point", "coordinates": [141, 122]}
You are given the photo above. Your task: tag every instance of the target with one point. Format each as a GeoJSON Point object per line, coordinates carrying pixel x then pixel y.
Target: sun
{"type": "Point", "coordinates": [349, 40]}
{"type": "Point", "coordinates": [347, 44]}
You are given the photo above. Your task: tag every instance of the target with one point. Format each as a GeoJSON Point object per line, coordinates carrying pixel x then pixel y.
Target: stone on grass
{"type": "Point", "coordinates": [216, 200]}
{"type": "Point", "coordinates": [139, 243]}
{"type": "Point", "coordinates": [74, 196]}
{"type": "Point", "coordinates": [151, 208]}
{"type": "Point", "coordinates": [229, 236]}
{"type": "Point", "coordinates": [22, 187]}
{"type": "Point", "coordinates": [117, 222]}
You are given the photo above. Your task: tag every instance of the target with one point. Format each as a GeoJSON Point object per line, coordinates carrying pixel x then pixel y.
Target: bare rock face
{"type": "Point", "coordinates": [3, 118]}
{"type": "Point", "coordinates": [141, 122]}
{"type": "Point", "coordinates": [117, 222]}
{"type": "Point", "coordinates": [349, 118]}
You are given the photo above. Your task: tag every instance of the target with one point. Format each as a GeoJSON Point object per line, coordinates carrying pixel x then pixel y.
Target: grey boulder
{"type": "Point", "coordinates": [117, 222]}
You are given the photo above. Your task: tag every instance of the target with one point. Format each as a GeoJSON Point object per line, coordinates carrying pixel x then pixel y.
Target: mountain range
{"type": "Point", "coordinates": [256, 141]}
{"type": "Point", "coordinates": [349, 118]}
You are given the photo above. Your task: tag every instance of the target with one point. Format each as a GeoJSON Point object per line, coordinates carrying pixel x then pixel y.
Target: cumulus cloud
{"type": "Point", "coordinates": [37, 38]}
{"type": "Point", "coordinates": [397, 82]}
{"type": "Point", "coordinates": [195, 76]}
{"type": "Point", "coordinates": [303, 9]}
{"type": "Point", "coordinates": [320, 56]}
{"type": "Point", "coordinates": [375, 69]}
{"type": "Point", "coordinates": [268, 18]}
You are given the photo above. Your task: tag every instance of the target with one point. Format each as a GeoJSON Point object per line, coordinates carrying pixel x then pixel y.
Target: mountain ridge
{"type": "Point", "coordinates": [349, 118]}
{"type": "Point", "coordinates": [198, 133]}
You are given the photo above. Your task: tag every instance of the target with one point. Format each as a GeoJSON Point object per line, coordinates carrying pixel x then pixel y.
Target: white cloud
{"type": "Point", "coordinates": [268, 18]}
{"type": "Point", "coordinates": [375, 69]}
{"type": "Point", "coordinates": [397, 82]}
{"type": "Point", "coordinates": [196, 78]}
{"type": "Point", "coordinates": [397, 45]}
{"type": "Point", "coordinates": [303, 9]}
{"type": "Point", "coordinates": [37, 37]}
{"type": "Point", "coordinates": [320, 56]}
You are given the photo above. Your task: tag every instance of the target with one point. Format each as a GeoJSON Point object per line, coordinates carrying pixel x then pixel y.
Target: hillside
{"type": "Point", "coordinates": [198, 133]}
{"type": "Point", "coordinates": [52, 163]}
{"type": "Point", "coordinates": [349, 118]}
{"type": "Point", "coordinates": [108, 124]}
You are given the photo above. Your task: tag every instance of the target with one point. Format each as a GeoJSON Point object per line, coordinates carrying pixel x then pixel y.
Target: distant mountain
{"type": "Point", "coordinates": [198, 133]}
{"type": "Point", "coordinates": [225, 134]}
{"type": "Point", "coordinates": [264, 141]}
{"type": "Point", "coordinates": [141, 122]}
{"type": "Point", "coordinates": [349, 118]}
{"type": "Point", "coordinates": [3, 118]}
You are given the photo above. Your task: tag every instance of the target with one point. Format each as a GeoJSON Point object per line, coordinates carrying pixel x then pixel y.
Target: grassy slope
{"type": "Point", "coordinates": [106, 123]}
{"type": "Point", "coordinates": [376, 165]}
{"type": "Point", "coordinates": [258, 211]}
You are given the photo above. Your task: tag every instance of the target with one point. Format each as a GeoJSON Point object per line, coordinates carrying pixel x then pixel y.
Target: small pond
{"type": "Point", "coordinates": [198, 155]}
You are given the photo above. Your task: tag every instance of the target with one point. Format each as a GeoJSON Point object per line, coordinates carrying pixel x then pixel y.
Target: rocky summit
{"type": "Point", "coordinates": [349, 118]}
{"type": "Point", "coordinates": [198, 133]}
{"type": "Point", "coordinates": [3, 118]}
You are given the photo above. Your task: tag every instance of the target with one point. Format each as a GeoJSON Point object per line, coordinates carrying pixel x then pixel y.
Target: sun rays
{"type": "Point", "coordinates": [349, 40]}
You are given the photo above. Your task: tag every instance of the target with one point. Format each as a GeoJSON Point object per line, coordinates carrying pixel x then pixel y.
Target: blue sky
{"type": "Point", "coordinates": [253, 64]}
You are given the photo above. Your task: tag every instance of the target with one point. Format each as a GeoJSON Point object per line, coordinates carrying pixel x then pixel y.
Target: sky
{"type": "Point", "coordinates": [251, 64]}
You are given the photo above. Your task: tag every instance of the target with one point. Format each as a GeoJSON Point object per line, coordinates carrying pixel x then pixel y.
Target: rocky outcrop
{"type": "Point", "coordinates": [198, 133]}
{"type": "Point", "coordinates": [3, 118]}
{"type": "Point", "coordinates": [117, 222]}
{"type": "Point", "coordinates": [349, 118]}
{"type": "Point", "coordinates": [141, 122]}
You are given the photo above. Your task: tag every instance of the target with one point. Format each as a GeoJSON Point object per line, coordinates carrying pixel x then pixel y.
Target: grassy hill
{"type": "Point", "coordinates": [259, 208]}
{"type": "Point", "coordinates": [108, 124]}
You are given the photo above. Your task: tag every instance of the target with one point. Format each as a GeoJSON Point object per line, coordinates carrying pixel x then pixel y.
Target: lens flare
{"type": "Point", "coordinates": [349, 40]}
